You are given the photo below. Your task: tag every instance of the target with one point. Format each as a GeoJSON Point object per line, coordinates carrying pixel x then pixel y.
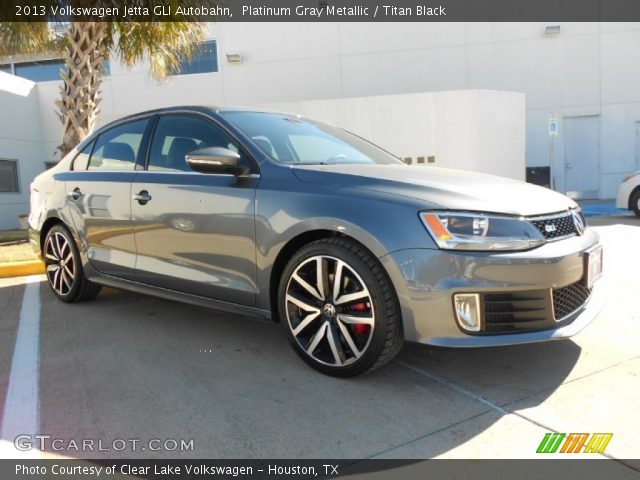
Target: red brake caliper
{"type": "Point", "coordinates": [360, 328]}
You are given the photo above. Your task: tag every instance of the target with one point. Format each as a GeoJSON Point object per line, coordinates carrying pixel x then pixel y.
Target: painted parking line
{"type": "Point", "coordinates": [20, 414]}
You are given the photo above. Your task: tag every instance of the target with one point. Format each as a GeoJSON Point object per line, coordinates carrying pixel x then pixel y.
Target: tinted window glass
{"type": "Point", "coordinates": [177, 135]}
{"type": "Point", "coordinates": [44, 70]}
{"type": "Point", "coordinates": [9, 176]}
{"type": "Point", "coordinates": [82, 159]}
{"type": "Point", "coordinates": [41, 71]}
{"type": "Point", "coordinates": [289, 139]}
{"type": "Point", "coordinates": [204, 60]}
{"type": "Point", "coordinates": [117, 149]}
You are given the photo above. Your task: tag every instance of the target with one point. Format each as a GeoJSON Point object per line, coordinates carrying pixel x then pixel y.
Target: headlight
{"type": "Point", "coordinates": [476, 231]}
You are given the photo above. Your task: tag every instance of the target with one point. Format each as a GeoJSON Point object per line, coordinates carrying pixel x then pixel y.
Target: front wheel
{"type": "Point", "coordinates": [635, 202]}
{"type": "Point", "coordinates": [339, 309]}
{"type": "Point", "coordinates": [64, 268]}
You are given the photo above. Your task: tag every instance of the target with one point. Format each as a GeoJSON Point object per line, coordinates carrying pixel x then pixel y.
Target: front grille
{"type": "Point", "coordinates": [567, 300]}
{"type": "Point", "coordinates": [557, 226]}
{"type": "Point", "coordinates": [530, 310]}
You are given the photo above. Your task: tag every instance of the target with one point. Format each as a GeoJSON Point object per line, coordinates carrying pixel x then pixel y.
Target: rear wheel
{"type": "Point", "coordinates": [64, 268]}
{"type": "Point", "coordinates": [635, 202]}
{"type": "Point", "coordinates": [338, 308]}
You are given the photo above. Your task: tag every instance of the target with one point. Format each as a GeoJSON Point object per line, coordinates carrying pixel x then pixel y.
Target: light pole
{"type": "Point", "coordinates": [553, 133]}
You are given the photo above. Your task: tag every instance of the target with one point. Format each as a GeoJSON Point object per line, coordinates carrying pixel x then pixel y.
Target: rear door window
{"type": "Point", "coordinates": [82, 159]}
{"type": "Point", "coordinates": [117, 148]}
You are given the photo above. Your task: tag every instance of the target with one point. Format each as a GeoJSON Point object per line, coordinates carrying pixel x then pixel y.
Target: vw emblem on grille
{"type": "Point", "coordinates": [577, 222]}
{"type": "Point", "coordinates": [550, 227]}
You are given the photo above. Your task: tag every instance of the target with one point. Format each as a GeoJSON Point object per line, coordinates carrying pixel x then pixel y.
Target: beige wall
{"type": "Point", "coordinates": [588, 69]}
{"type": "Point", "coordinates": [475, 130]}
{"type": "Point", "coordinates": [20, 139]}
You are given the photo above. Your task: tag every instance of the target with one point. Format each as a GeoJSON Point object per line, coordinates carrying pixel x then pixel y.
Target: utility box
{"type": "Point", "coordinates": [539, 176]}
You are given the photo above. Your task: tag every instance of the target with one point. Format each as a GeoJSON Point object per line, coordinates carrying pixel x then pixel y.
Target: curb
{"type": "Point", "coordinates": [21, 269]}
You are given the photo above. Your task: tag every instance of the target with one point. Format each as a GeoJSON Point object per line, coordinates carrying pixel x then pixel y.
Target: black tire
{"type": "Point", "coordinates": [634, 202]}
{"type": "Point", "coordinates": [386, 337]}
{"type": "Point", "coordinates": [68, 284]}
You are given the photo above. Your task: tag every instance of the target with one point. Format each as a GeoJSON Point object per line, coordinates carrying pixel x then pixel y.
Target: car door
{"type": "Point", "coordinates": [99, 197]}
{"type": "Point", "coordinates": [194, 232]}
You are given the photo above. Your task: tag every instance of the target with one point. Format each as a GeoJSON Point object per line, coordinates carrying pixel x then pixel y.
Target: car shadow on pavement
{"type": "Point", "coordinates": [127, 366]}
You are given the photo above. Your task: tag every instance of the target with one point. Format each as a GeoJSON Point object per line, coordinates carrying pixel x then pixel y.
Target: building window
{"type": "Point", "coordinates": [205, 60]}
{"type": "Point", "coordinates": [9, 182]}
{"type": "Point", "coordinates": [42, 70]}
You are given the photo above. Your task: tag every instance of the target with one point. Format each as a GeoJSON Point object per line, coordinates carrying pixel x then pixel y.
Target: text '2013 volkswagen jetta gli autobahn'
{"type": "Point", "coordinates": [351, 250]}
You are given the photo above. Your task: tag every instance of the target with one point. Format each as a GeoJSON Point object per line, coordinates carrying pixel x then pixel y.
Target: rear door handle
{"type": "Point", "coordinates": [75, 193]}
{"type": "Point", "coordinates": [142, 197]}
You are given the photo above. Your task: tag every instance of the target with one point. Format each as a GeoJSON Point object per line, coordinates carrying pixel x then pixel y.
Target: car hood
{"type": "Point", "coordinates": [441, 187]}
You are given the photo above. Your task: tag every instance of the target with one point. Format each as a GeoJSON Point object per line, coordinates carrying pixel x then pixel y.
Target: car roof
{"type": "Point", "coordinates": [196, 108]}
{"type": "Point", "coordinates": [207, 109]}
{"type": "Point", "coordinates": [182, 108]}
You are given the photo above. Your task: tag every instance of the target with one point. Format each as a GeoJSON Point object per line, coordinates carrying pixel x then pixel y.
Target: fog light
{"type": "Point", "coordinates": [467, 306]}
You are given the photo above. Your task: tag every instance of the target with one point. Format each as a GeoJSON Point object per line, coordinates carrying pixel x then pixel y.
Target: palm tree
{"type": "Point", "coordinates": [86, 46]}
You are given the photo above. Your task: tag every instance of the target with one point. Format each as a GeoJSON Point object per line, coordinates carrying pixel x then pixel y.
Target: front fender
{"type": "Point", "coordinates": [380, 222]}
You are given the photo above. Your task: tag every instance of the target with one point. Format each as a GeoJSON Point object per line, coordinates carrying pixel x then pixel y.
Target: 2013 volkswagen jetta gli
{"type": "Point", "coordinates": [351, 250]}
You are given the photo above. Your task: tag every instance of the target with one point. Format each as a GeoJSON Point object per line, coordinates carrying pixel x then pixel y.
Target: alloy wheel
{"type": "Point", "coordinates": [60, 265]}
{"type": "Point", "coordinates": [329, 310]}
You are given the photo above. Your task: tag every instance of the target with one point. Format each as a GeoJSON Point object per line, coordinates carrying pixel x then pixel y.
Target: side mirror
{"type": "Point", "coordinates": [215, 160]}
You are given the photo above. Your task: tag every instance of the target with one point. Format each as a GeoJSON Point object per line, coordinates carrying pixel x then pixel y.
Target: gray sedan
{"type": "Point", "coordinates": [351, 250]}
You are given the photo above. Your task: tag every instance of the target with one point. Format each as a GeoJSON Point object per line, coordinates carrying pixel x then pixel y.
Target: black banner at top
{"type": "Point", "coordinates": [320, 10]}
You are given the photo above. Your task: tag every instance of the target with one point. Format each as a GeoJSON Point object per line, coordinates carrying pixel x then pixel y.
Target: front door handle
{"type": "Point", "coordinates": [76, 193]}
{"type": "Point", "coordinates": [142, 197]}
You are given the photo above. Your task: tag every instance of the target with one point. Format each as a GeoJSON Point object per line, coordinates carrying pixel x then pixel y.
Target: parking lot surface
{"type": "Point", "coordinates": [127, 366]}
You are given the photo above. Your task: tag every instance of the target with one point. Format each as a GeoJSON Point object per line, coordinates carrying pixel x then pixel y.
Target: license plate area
{"type": "Point", "coordinates": [592, 266]}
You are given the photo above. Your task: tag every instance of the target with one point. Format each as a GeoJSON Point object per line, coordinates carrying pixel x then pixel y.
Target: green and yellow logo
{"type": "Point", "coordinates": [574, 442]}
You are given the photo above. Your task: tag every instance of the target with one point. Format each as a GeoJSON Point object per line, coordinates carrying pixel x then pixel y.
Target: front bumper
{"type": "Point", "coordinates": [426, 280]}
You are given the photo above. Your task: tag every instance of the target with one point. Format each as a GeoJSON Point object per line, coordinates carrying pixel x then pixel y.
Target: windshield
{"type": "Point", "coordinates": [292, 140]}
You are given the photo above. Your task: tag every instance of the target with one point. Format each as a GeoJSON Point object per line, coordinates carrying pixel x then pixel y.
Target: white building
{"type": "Point", "coordinates": [586, 74]}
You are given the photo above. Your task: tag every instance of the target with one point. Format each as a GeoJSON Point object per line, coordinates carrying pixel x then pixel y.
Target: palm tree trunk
{"type": "Point", "coordinates": [79, 102]}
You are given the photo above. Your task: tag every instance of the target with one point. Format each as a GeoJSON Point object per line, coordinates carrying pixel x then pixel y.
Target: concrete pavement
{"type": "Point", "coordinates": [126, 366]}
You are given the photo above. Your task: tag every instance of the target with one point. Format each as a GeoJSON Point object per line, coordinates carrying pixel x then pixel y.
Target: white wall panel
{"type": "Point", "coordinates": [538, 68]}
{"type": "Point", "coordinates": [588, 69]}
{"type": "Point", "coordinates": [390, 37]}
{"type": "Point", "coordinates": [404, 71]}
{"type": "Point", "coordinates": [621, 67]}
{"type": "Point", "coordinates": [474, 130]}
